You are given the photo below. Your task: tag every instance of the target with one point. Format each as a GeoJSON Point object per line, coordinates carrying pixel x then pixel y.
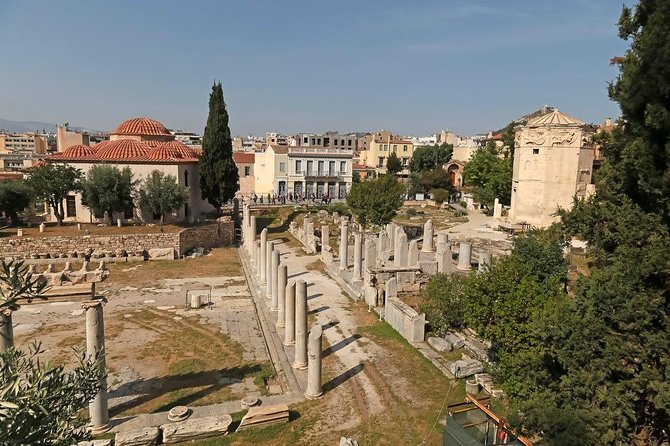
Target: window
{"type": "Point", "coordinates": [380, 163]}
{"type": "Point", "coordinates": [318, 141]}
{"type": "Point", "coordinates": [395, 147]}
{"type": "Point", "coordinates": [247, 171]}
{"type": "Point", "coordinates": [326, 141]}
{"type": "Point", "coordinates": [186, 178]}
{"type": "Point", "coordinates": [343, 167]}
{"type": "Point", "coordinates": [349, 143]}
{"type": "Point", "coordinates": [331, 168]}
{"type": "Point", "coordinates": [282, 167]}
{"type": "Point", "coordinates": [405, 161]}
{"type": "Point", "coordinates": [536, 151]}
{"type": "Point", "coordinates": [310, 167]}
{"type": "Point", "coordinates": [298, 166]}
{"type": "Point", "coordinates": [404, 148]}
{"type": "Point", "coordinates": [70, 206]}
{"type": "Point", "coordinates": [305, 140]}
{"type": "Point", "coordinates": [321, 163]}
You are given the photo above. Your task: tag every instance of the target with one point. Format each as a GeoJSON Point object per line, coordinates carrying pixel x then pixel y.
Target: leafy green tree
{"type": "Point", "coordinates": [52, 182]}
{"type": "Point", "coordinates": [376, 201]}
{"type": "Point", "coordinates": [425, 159]}
{"type": "Point", "coordinates": [602, 376]}
{"type": "Point", "coordinates": [637, 161]}
{"type": "Point", "coordinates": [393, 165]}
{"type": "Point", "coordinates": [441, 301]}
{"type": "Point", "coordinates": [355, 177]}
{"type": "Point", "coordinates": [15, 196]}
{"type": "Point", "coordinates": [219, 177]}
{"type": "Point", "coordinates": [40, 402]}
{"type": "Point", "coordinates": [489, 176]}
{"type": "Point", "coordinates": [436, 179]}
{"type": "Point", "coordinates": [108, 189]}
{"type": "Point", "coordinates": [430, 157]}
{"type": "Point", "coordinates": [161, 194]}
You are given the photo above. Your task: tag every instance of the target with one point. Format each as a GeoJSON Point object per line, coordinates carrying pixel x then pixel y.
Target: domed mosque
{"type": "Point", "coordinates": [144, 145]}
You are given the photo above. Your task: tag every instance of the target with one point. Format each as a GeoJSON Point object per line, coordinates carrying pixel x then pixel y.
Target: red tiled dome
{"type": "Point", "coordinates": [141, 126]}
{"type": "Point", "coordinates": [171, 150]}
{"type": "Point", "coordinates": [122, 149]}
{"type": "Point", "coordinates": [78, 151]}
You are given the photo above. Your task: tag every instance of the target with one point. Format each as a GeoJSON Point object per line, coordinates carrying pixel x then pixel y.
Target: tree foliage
{"type": "Point", "coordinates": [489, 175]}
{"type": "Point", "coordinates": [161, 194]}
{"type": "Point", "coordinates": [39, 402]}
{"type": "Point", "coordinates": [393, 165]}
{"type": "Point", "coordinates": [17, 282]}
{"type": "Point", "coordinates": [436, 179]}
{"type": "Point", "coordinates": [108, 189]}
{"type": "Point", "coordinates": [52, 182]}
{"type": "Point", "coordinates": [15, 196]}
{"type": "Point", "coordinates": [376, 201]}
{"type": "Point", "coordinates": [430, 157]}
{"type": "Point", "coordinates": [219, 177]}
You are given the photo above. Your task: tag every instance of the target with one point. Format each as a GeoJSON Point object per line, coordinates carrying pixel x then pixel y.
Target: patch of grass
{"type": "Point", "coordinates": [265, 374]}
{"type": "Point", "coordinates": [317, 265]}
{"type": "Point", "coordinates": [187, 366]}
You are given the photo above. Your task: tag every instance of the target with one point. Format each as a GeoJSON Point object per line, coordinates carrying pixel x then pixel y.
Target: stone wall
{"type": "Point", "coordinates": [220, 233]}
{"type": "Point", "coordinates": [405, 320]}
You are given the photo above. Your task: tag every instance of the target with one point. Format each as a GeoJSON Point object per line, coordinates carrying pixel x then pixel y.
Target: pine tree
{"type": "Point", "coordinates": [218, 173]}
{"type": "Point", "coordinates": [393, 165]}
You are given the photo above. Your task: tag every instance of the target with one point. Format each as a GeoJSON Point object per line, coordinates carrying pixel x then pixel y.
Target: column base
{"type": "Point", "coordinates": [289, 343]}
{"type": "Point", "coordinates": [310, 396]}
{"type": "Point", "coordinates": [97, 430]}
{"type": "Point", "coordinates": [427, 250]}
{"type": "Point", "coordinates": [278, 325]}
{"type": "Point", "coordinates": [464, 268]}
{"type": "Point", "coordinates": [300, 365]}
{"type": "Point", "coordinates": [274, 309]}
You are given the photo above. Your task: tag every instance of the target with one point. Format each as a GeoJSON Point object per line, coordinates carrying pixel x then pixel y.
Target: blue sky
{"type": "Point", "coordinates": [413, 67]}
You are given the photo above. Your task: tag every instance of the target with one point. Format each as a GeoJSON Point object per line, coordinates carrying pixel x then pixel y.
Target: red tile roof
{"type": "Point", "coordinates": [129, 150]}
{"type": "Point", "coordinates": [79, 151]}
{"type": "Point", "coordinates": [141, 126]}
{"type": "Point", "coordinates": [244, 157]}
{"type": "Point", "coordinates": [122, 149]}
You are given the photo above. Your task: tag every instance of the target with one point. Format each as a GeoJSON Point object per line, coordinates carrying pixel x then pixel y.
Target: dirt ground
{"type": "Point", "coordinates": [158, 354]}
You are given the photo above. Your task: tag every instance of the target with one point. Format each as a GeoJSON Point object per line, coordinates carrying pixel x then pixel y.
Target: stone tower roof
{"type": "Point", "coordinates": [554, 117]}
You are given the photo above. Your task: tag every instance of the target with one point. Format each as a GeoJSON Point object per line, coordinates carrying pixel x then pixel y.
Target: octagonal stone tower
{"type": "Point", "coordinates": [553, 161]}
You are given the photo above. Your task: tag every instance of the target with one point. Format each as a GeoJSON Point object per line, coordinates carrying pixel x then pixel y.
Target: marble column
{"type": "Point", "coordinates": [443, 260]}
{"type": "Point", "coordinates": [257, 257]}
{"type": "Point", "coordinates": [289, 314]}
{"type": "Point", "coordinates": [358, 256]}
{"type": "Point", "coordinates": [300, 361]}
{"type": "Point", "coordinates": [264, 254]}
{"type": "Point", "coordinates": [413, 255]}
{"type": "Point", "coordinates": [465, 256]}
{"type": "Point", "coordinates": [270, 246]}
{"type": "Point", "coordinates": [484, 262]}
{"type": "Point", "coordinates": [251, 238]}
{"type": "Point", "coordinates": [282, 277]}
{"type": "Point", "coordinates": [275, 279]}
{"type": "Point", "coordinates": [344, 243]}
{"type": "Point", "coordinates": [400, 253]}
{"type": "Point", "coordinates": [325, 236]}
{"type": "Point", "coordinates": [314, 349]}
{"type": "Point", "coordinates": [370, 255]}
{"type": "Point", "coordinates": [428, 237]}
{"type": "Point", "coordinates": [6, 331]}
{"type": "Point", "coordinates": [95, 345]}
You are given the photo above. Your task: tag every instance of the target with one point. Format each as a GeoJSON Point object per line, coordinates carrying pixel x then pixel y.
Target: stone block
{"type": "Point", "coordinates": [405, 277]}
{"type": "Point", "coordinates": [454, 340]}
{"type": "Point", "coordinates": [107, 442]}
{"type": "Point", "coordinates": [428, 267]}
{"type": "Point", "coordinates": [147, 436]}
{"type": "Point", "coordinates": [440, 344]}
{"type": "Point", "coordinates": [465, 367]}
{"type": "Point", "coordinates": [161, 254]}
{"type": "Point", "coordinates": [196, 429]}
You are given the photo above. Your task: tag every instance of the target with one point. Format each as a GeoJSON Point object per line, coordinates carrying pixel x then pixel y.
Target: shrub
{"type": "Point", "coordinates": [440, 195]}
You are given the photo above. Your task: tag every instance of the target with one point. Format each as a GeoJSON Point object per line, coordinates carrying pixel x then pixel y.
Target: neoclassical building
{"type": "Point", "coordinates": [553, 162]}
{"type": "Point", "coordinates": [144, 146]}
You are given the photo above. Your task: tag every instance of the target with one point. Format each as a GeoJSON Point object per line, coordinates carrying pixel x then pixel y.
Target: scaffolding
{"type": "Point", "coordinates": [471, 423]}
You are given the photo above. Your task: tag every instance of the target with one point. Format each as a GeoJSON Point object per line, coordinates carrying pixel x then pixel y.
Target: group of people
{"type": "Point", "coordinates": [274, 199]}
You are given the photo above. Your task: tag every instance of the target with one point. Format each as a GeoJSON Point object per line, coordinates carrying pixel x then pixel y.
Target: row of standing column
{"type": "Point", "coordinates": [289, 300]}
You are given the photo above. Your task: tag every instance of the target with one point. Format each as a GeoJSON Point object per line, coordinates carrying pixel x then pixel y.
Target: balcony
{"type": "Point", "coordinates": [317, 174]}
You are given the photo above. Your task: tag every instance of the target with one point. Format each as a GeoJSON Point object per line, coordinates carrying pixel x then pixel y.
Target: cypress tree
{"type": "Point", "coordinates": [218, 174]}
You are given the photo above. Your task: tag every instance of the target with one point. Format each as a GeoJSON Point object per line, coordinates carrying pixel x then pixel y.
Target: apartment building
{"type": "Point", "coordinates": [245, 169]}
{"type": "Point", "coordinates": [271, 170]}
{"type": "Point", "coordinates": [325, 140]}
{"type": "Point", "coordinates": [378, 147]}
{"type": "Point", "coordinates": [19, 151]}
{"type": "Point", "coordinates": [187, 138]}
{"type": "Point", "coordinates": [319, 170]}
{"type": "Point", "coordinates": [65, 137]}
